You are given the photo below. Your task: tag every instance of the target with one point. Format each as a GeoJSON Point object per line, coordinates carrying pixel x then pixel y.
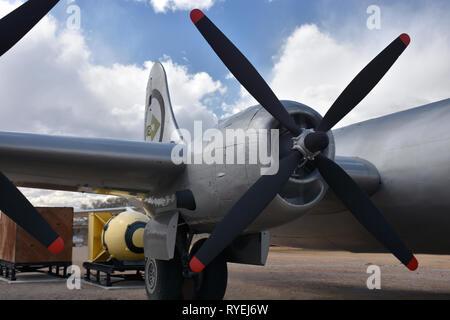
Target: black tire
{"type": "Point", "coordinates": [164, 279]}
{"type": "Point", "coordinates": [211, 283]}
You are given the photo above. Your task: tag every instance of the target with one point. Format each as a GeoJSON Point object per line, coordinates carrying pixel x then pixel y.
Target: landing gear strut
{"type": "Point", "coordinates": [172, 280]}
{"type": "Point", "coordinates": [211, 283]}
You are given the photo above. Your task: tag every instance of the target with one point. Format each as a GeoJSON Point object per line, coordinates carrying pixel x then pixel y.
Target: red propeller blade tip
{"type": "Point", "coordinates": [413, 264]}
{"type": "Point", "coordinates": [196, 15]}
{"type": "Point", "coordinates": [405, 39]}
{"type": "Point", "coordinates": [196, 265]}
{"type": "Point", "coordinates": [57, 246]}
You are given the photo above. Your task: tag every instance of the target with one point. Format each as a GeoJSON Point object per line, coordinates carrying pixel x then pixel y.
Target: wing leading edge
{"type": "Point", "coordinates": [85, 164]}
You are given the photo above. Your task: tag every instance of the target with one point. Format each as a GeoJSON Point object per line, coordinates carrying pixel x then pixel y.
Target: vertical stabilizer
{"type": "Point", "coordinates": [160, 123]}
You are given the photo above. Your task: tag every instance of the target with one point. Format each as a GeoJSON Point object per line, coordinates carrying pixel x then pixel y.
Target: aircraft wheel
{"type": "Point", "coordinates": [164, 279]}
{"type": "Point", "coordinates": [211, 283]}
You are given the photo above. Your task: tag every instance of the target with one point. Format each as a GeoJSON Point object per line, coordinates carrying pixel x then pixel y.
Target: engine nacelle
{"type": "Point", "coordinates": [306, 188]}
{"type": "Point", "coordinates": [305, 185]}
{"type": "Point", "coordinates": [123, 236]}
{"type": "Point", "coordinates": [216, 188]}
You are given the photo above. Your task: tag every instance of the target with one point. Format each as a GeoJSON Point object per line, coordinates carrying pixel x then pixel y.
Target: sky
{"type": "Point", "coordinates": [90, 81]}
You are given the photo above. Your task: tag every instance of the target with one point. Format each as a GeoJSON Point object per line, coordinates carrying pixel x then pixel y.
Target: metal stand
{"type": "Point", "coordinates": [110, 267]}
{"type": "Point", "coordinates": [8, 270]}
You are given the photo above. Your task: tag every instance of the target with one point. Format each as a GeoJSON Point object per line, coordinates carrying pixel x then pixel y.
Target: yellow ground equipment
{"type": "Point", "coordinates": [116, 236]}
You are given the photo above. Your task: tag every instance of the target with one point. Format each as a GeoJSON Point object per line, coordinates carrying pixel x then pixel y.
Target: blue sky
{"type": "Point", "coordinates": [91, 82]}
{"type": "Point", "coordinates": [130, 32]}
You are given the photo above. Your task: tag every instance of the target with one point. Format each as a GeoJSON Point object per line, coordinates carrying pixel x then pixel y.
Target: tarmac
{"type": "Point", "coordinates": [290, 274]}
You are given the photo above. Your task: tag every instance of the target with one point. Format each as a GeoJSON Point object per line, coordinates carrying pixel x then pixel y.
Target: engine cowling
{"type": "Point", "coordinates": [306, 188]}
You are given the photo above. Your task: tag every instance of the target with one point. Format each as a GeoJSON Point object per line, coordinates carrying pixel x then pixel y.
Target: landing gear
{"type": "Point", "coordinates": [164, 279]}
{"type": "Point", "coordinates": [211, 283]}
{"type": "Point", "coordinates": [171, 280]}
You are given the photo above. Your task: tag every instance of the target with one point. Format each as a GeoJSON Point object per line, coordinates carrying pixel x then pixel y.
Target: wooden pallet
{"type": "Point", "coordinates": [20, 248]}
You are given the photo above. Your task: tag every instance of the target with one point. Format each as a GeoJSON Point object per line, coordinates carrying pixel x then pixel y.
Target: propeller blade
{"type": "Point", "coordinates": [364, 82]}
{"type": "Point", "coordinates": [16, 25]}
{"type": "Point", "coordinates": [244, 212]}
{"type": "Point", "coordinates": [362, 208]}
{"type": "Point", "coordinates": [14, 204]}
{"type": "Point", "coordinates": [243, 70]}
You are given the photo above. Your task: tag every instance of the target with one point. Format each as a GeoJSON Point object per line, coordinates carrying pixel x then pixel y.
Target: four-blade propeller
{"type": "Point", "coordinates": [306, 144]}
{"type": "Point", "coordinates": [13, 203]}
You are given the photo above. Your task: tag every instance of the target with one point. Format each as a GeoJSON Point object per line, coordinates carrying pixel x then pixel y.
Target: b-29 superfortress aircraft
{"type": "Point", "coordinates": [370, 187]}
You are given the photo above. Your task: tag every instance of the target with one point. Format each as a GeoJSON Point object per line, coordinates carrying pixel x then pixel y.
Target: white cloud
{"type": "Point", "coordinates": [314, 67]}
{"type": "Point", "coordinates": [50, 85]}
{"type": "Point", "coordinates": [49, 80]}
{"type": "Point", "coordinates": [162, 6]}
{"type": "Point", "coordinates": [45, 198]}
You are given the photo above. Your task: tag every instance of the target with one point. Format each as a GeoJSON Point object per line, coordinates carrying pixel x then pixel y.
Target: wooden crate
{"type": "Point", "coordinates": [19, 247]}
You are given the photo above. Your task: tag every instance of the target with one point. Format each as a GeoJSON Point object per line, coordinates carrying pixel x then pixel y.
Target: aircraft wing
{"type": "Point", "coordinates": [86, 165]}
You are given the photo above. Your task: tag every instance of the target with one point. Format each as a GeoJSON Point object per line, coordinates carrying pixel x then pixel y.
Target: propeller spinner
{"type": "Point", "coordinates": [307, 144]}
